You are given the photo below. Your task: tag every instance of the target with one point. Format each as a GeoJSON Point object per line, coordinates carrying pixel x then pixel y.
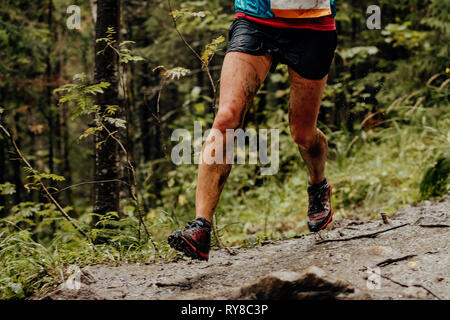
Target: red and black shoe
{"type": "Point", "coordinates": [320, 210]}
{"type": "Point", "coordinates": [194, 241]}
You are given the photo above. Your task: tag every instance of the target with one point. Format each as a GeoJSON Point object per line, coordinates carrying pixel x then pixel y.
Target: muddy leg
{"type": "Point", "coordinates": [304, 105]}
{"type": "Point", "coordinates": [241, 77]}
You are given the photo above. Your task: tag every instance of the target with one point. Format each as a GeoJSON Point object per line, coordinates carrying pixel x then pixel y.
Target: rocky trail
{"type": "Point", "coordinates": [405, 256]}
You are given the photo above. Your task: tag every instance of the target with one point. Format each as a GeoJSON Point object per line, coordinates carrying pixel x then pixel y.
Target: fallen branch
{"type": "Point", "coordinates": [391, 261]}
{"type": "Point", "coordinates": [186, 285]}
{"type": "Point", "coordinates": [88, 182]}
{"type": "Point", "coordinates": [407, 286]}
{"type": "Point", "coordinates": [394, 281]}
{"type": "Point", "coordinates": [430, 225]}
{"type": "Point", "coordinates": [427, 290]}
{"type": "Point", "coordinates": [434, 225]}
{"type": "Point", "coordinates": [369, 235]}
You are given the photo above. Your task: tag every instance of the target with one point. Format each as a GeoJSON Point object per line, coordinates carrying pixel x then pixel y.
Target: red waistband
{"type": "Point", "coordinates": [320, 24]}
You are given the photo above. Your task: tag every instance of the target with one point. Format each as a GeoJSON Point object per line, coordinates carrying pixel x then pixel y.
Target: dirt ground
{"type": "Point", "coordinates": [403, 257]}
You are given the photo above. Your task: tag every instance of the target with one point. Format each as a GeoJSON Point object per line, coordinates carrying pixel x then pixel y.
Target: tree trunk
{"type": "Point", "coordinates": [106, 167]}
{"type": "Point", "coordinates": [50, 83]}
{"type": "Point", "coordinates": [17, 169]}
{"type": "Point", "coordinates": [63, 130]}
{"type": "Point", "coordinates": [3, 172]}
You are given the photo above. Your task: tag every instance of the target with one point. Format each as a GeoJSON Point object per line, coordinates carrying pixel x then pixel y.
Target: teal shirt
{"type": "Point", "coordinates": [261, 8]}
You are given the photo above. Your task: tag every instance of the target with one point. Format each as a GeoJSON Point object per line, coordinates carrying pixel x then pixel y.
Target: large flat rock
{"type": "Point", "coordinates": [407, 258]}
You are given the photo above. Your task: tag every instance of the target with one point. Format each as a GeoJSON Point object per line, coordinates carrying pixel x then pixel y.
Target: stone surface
{"type": "Point", "coordinates": [299, 268]}
{"type": "Point", "coordinates": [313, 283]}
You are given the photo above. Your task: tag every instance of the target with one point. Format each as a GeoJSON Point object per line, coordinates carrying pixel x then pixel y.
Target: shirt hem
{"type": "Point", "coordinates": [318, 24]}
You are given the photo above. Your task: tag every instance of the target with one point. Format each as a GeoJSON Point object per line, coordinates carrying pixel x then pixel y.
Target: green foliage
{"type": "Point", "coordinates": [211, 49]}
{"type": "Point", "coordinates": [108, 40]}
{"type": "Point", "coordinates": [7, 188]}
{"type": "Point", "coordinates": [357, 55]}
{"type": "Point", "coordinates": [80, 95]}
{"type": "Point", "coordinates": [115, 231]}
{"type": "Point", "coordinates": [36, 177]}
{"type": "Point", "coordinates": [33, 257]}
{"type": "Point", "coordinates": [125, 55]}
{"type": "Point", "coordinates": [436, 180]}
{"type": "Point", "coordinates": [402, 35]}
{"type": "Point", "coordinates": [25, 265]}
{"type": "Point", "coordinates": [119, 123]}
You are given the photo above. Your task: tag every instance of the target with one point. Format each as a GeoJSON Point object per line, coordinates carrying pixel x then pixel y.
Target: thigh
{"type": "Point", "coordinates": [305, 99]}
{"type": "Point", "coordinates": [241, 77]}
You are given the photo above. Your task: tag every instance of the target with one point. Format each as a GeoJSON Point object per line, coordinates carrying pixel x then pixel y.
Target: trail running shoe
{"type": "Point", "coordinates": [320, 210]}
{"type": "Point", "coordinates": [194, 241]}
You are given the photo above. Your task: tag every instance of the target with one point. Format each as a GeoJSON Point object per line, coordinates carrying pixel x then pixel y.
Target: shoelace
{"type": "Point", "coordinates": [195, 224]}
{"type": "Point", "coordinates": [195, 227]}
{"type": "Point", "coordinates": [315, 199]}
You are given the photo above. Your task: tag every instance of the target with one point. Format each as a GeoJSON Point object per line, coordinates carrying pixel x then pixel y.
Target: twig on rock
{"type": "Point", "coordinates": [407, 286]}
{"type": "Point", "coordinates": [434, 225]}
{"type": "Point", "coordinates": [427, 290]}
{"type": "Point", "coordinates": [390, 260]}
{"type": "Point", "coordinates": [368, 235]}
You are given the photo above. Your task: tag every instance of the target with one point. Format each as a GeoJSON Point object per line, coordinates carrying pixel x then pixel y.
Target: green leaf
{"type": "Point", "coordinates": [90, 131]}
{"type": "Point", "coordinates": [211, 49]}
{"type": "Point", "coordinates": [7, 189]}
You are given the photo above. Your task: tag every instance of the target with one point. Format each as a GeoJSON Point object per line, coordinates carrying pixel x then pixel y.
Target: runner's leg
{"type": "Point", "coordinates": [242, 75]}
{"type": "Point", "coordinates": [304, 106]}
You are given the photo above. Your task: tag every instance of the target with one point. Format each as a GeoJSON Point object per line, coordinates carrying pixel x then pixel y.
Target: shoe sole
{"type": "Point", "coordinates": [330, 218]}
{"type": "Point", "coordinates": [183, 245]}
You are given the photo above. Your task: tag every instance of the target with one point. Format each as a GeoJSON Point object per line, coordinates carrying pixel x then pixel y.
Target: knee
{"type": "Point", "coordinates": [303, 140]}
{"type": "Point", "coordinates": [307, 140]}
{"type": "Point", "coordinates": [227, 118]}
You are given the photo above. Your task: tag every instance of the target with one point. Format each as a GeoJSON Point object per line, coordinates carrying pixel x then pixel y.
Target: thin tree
{"type": "Point", "coordinates": [106, 195]}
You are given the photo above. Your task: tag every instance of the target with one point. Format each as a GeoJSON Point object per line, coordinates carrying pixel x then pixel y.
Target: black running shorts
{"type": "Point", "coordinates": [308, 52]}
